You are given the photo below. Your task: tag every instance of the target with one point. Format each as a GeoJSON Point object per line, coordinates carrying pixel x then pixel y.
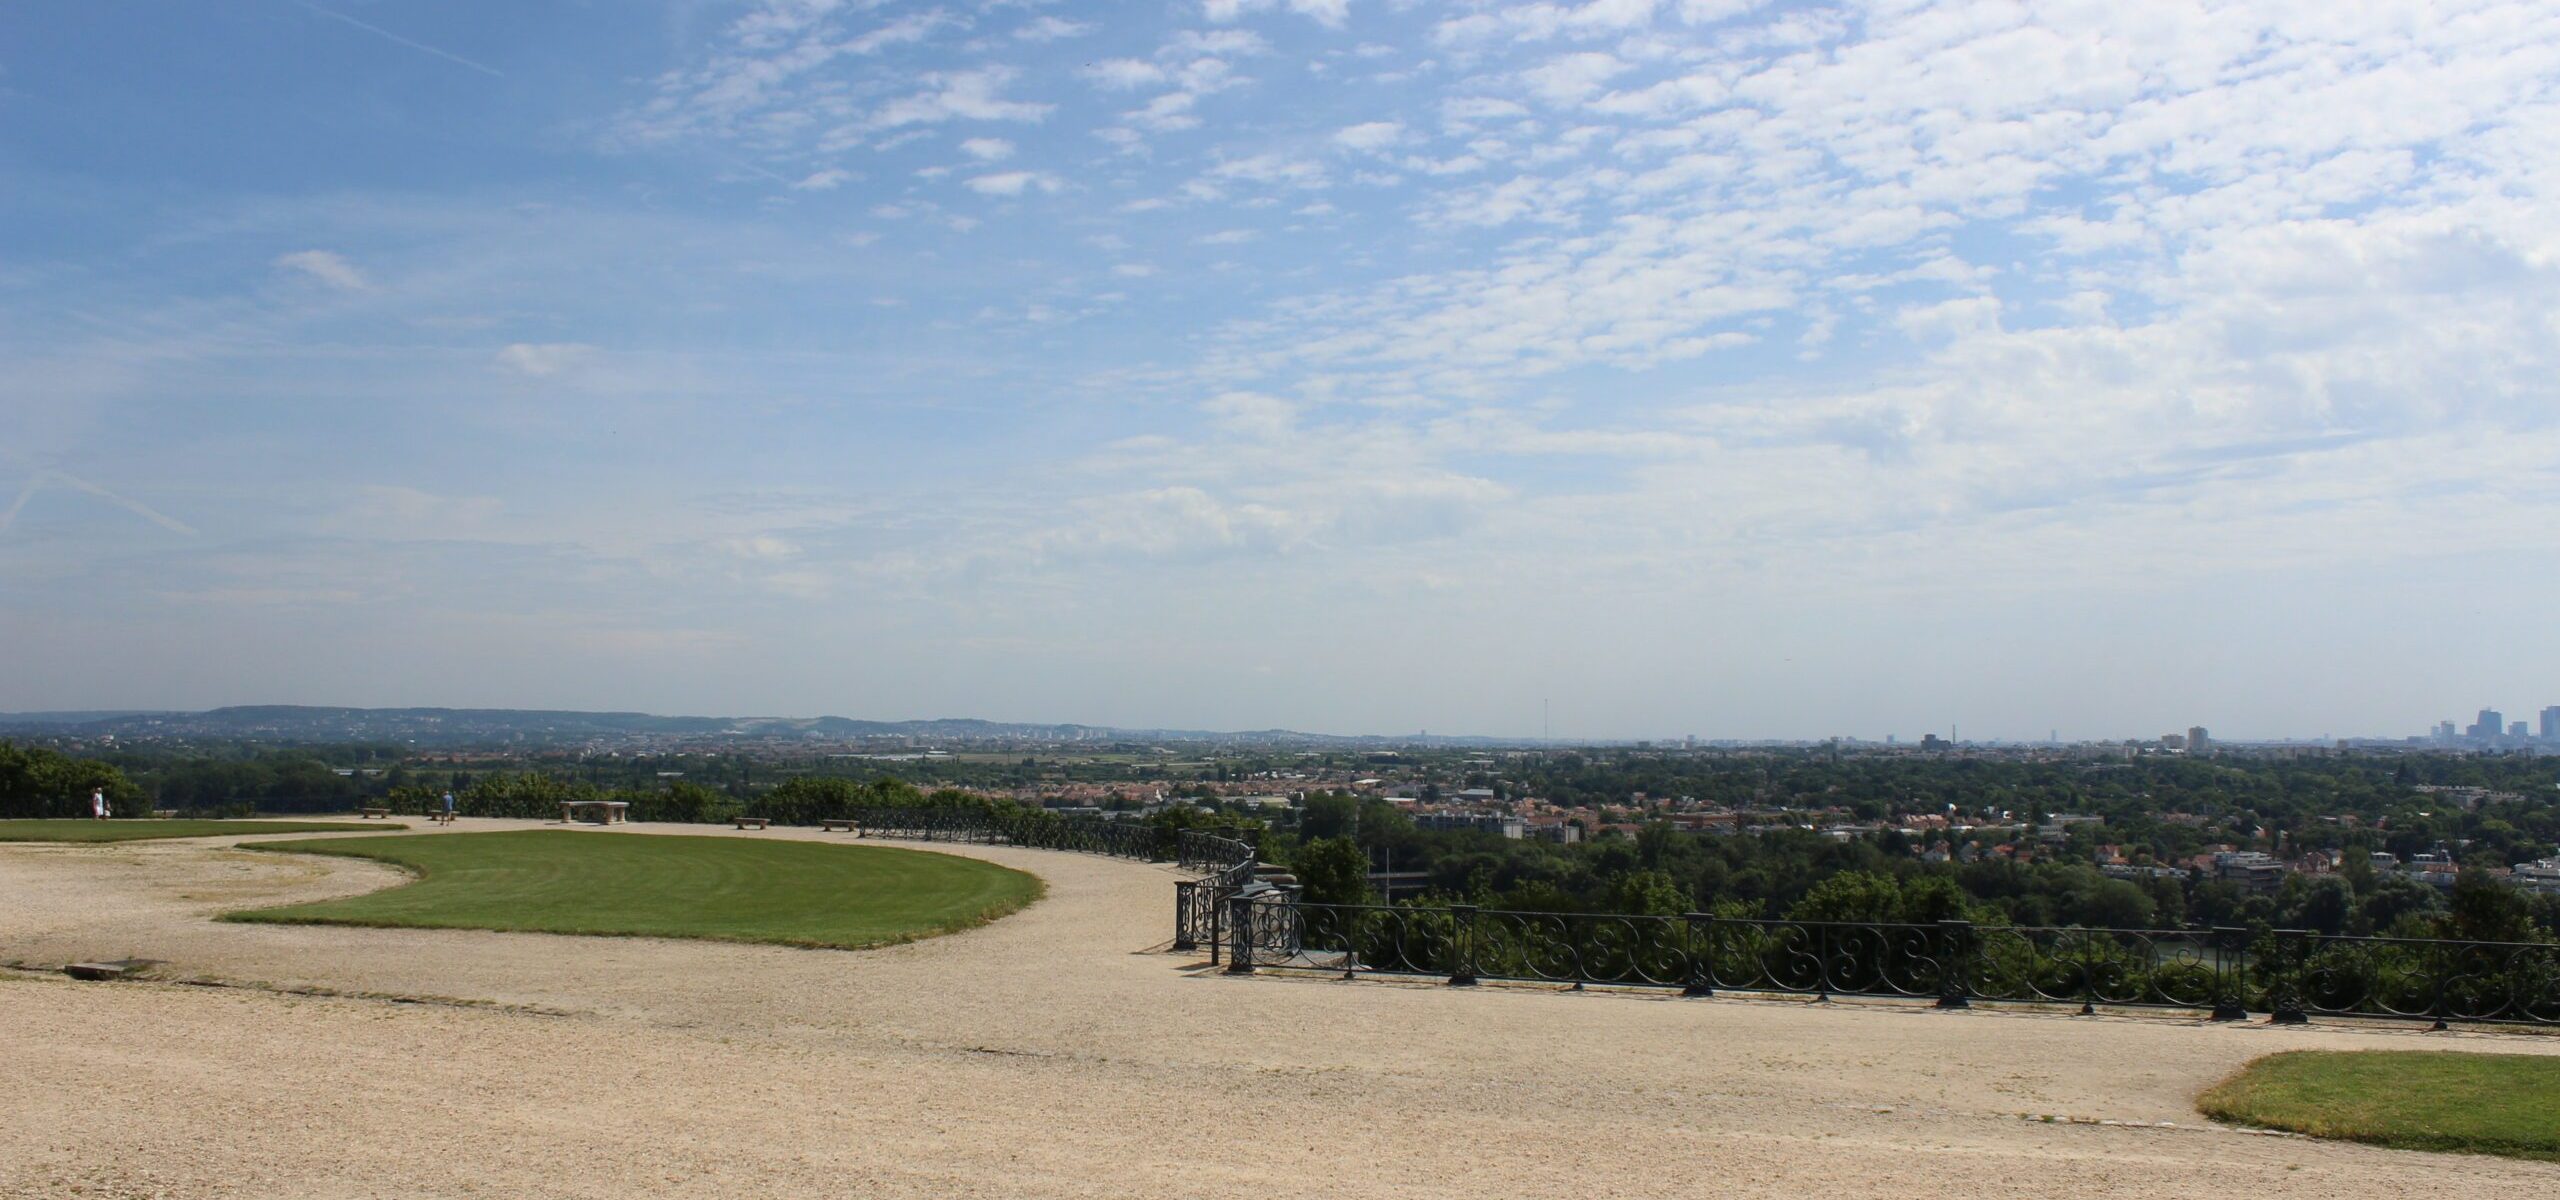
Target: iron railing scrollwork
{"type": "Point", "coordinates": [2287, 974]}
{"type": "Point", "coordinates": [1200, 906]}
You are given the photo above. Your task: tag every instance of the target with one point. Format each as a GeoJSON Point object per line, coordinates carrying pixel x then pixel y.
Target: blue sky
{"type": "Point", "coordinates": [1696, 366]}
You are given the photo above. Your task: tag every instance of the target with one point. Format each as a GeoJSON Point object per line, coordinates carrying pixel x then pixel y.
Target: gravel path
{"type": "Point", "coordinates": [1051, 1054]}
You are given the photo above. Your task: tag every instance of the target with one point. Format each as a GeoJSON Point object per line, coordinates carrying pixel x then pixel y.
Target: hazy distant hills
{"type": "Point", "coordinates": [458, 726]}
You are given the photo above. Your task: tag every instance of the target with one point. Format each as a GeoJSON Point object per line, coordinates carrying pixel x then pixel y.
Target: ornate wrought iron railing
{"type": "Point", "coordinates": [2287, 974]}
{"type": "Point", "coordinates": [1200, 906]}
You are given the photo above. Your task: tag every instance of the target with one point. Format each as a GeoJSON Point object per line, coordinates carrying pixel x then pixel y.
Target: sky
{"type": "Point", "coordinates": [1628, 368]}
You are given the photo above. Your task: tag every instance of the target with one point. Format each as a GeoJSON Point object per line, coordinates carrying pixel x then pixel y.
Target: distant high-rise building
{"type": "Point", "coordinates": [2551, 723]}
{"type": "Point", "coordinates": [2519, 731]}
{"type": "Point", "coordinates": [2196, 739]}
{"type": "Point", "coordinates": [2446, 731]}
{"type": "Point", "coordinates": [2489, 726]}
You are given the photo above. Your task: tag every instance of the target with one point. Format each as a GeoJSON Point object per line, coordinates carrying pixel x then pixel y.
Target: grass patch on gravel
{"type": "Point", "coordinates": [72, 830]}
{"type": "Point", "coordinates": [793, 893]}
{"type": "Point", "coordinates": [2505, 1104]}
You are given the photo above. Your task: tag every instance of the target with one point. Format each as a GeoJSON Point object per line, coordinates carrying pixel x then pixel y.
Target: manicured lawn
{"type": "Point", "coordinates": [140, 830]}
{"type": "Point", "coordinates": [2413, 1099]}
{"type": "Point", "coordinates": [735, 889]}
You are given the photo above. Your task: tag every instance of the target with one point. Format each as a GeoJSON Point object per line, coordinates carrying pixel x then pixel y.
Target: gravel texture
{"type": "Point", "coordinates": [1055, 1053]}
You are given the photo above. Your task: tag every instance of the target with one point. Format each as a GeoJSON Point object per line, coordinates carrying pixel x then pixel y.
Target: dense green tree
{"type": "Point", "coordinates": [36, 782]}
{"type": "Point", "coordinates": [1333, 870]}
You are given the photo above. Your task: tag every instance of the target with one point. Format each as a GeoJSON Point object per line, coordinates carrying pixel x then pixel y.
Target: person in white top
{"type": "Point", "coordinates": [98, 802]}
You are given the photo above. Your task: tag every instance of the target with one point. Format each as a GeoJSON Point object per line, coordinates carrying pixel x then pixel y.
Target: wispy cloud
{"type": "Point", "coordinates": [546, 359]}
{"type": "Point", "coordinates": [1858, 326]}
{"type": "Point", "coordinates": [325, 266]}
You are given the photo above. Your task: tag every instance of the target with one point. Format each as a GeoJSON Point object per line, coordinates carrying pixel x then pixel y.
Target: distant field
{"type": "Point", "coordinates": [143, 830]}
{"type": "Point", "coordinates": [2506, 1104]}
{"type": "Point", "coordinates": [795, 893]}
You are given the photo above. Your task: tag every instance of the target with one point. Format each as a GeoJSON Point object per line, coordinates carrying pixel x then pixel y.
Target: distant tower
{"type": "Point", "coordinates": [2196, 738]}
{"type": "Point", "coordinates": [2551, 723]}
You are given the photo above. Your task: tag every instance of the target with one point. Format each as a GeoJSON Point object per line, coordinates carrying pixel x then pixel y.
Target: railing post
{"type": "Point", "coordinates": [1217, 907]}
{"type": "Point", "coordinates": [1821, 937]}
{"type": "Point", "coordinates": [2287, 1003]}
{"type": "Point", "coordinates": [2230, 1002]}
{"type": "Point", "coordinates": [1240, 934]}
{"type": "Point", "coordinates": [1702, 969]}
{"type": "Point", "coordinates": [1956, 938]}
{"type": "Point", "coordinates": [1184, 936]}
{"type": "Point", "coordinates": [2088, 973]}
{"type": "Point", "coordinates": [2443, 968]}
{"type": "Point", "coordinates": [1462, 945]}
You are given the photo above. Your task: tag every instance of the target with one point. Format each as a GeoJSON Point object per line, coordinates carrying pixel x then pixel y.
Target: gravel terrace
{"type": "Point", "coordinates": [1055, 1053]}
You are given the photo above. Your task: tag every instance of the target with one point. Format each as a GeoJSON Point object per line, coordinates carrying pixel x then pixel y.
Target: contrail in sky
{"type": "Point", "coordinates": [136, 507]}
{"type": "Point", "coordinates": [378, 31]}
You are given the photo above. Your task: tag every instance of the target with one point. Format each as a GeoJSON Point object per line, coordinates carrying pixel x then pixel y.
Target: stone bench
{"type": "Point", "coordinates": [600, 812]}
{"type": "Point", "coordinates": [832, 825]}
{"type": "Point", "coordinates": [367, 814]}
{"type": "Point", "coordinates": [754, 822]}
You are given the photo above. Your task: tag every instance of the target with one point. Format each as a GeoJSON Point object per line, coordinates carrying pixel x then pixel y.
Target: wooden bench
{"type": "Point", "coordinates": [834, 824]}
{"type": "Point", "coordinates": [367, 814]}
{"type": "Point", "coordinates": [440, 817]}
{"type": "Point", "coordinates": [754, 822]}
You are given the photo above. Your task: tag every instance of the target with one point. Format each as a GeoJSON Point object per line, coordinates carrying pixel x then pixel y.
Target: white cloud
{"type": "Point", "coordinates": [1124, 74]}
{"type": "Point", "coordinates": [1051, 28]}
{"type": "Point", "coordinates": [986, 149]}
{"type": "Point", "coordinates": [766, 79]}
{"type": "Point", "coordinates": [1572, 78]}
{"type": "Point", "coordinates": [1544, 21]}
{"type": "Point", "coordinates": [763, 547]}
{"type": "Point", "coordinates": [1272, 168]}
{"type": "Point", "coordinates": [1014, 183]}
{"type": "Point", "coordinates": [392, 511]}
{"type": "Point", "coordinates": [971, 95]}
{"type": "Point", "coordinates": [326, 266]}
{"type": "Point", "coordinates": [1329, 13]}
{"type": "Point", "coordinates": [1369, 135]}
{"type": "Point", "coordinates": [822, 181]}
{"type": "Point", "coordinates": [543, 360]}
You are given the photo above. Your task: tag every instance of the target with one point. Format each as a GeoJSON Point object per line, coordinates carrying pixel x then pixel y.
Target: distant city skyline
{"type": "Point", "coordinates": [1754, 370]}
{"type": "Point", "coordinates": [2193, 739]}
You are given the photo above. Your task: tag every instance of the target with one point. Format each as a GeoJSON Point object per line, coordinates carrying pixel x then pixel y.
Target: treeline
{"type": "Point", "coordinates": [2166, 806]}
{"type": "Point", "coordinates": [1337, 840]}
{"type": "Point", "coordinates": [35, 782]}
{"type": "Point", "coordinates": [800, 801]}
{"type": "Point", "coordinates": [804, 801]}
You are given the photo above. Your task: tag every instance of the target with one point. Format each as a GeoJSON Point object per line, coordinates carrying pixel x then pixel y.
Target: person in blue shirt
{"type": "Point", "coordinates": [448, 808]}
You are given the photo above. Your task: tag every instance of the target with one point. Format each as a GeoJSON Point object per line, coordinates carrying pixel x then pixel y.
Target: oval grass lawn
{"type": "Point", "coordinates": [2505, 1104]}
{"type": "Point", "coordinates": [67, 829]}
{"type": "Point", "coordinates": [793, 893]}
